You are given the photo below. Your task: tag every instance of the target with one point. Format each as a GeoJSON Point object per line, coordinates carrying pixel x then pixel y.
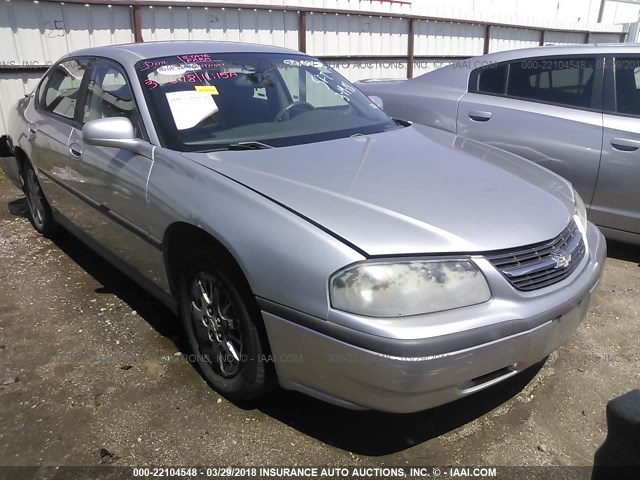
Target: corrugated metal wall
{"type": "Point", "coordinates": [13, 85]}
{"type": "Point", "coordinates": [521, 12]}
{"type": "Point", "coordinates": [448, 38]}
{"type": "Point", "coordinates": [503, 38]}
{"type": "Point", "coordinates": [229, 24]}
{"type": "Point", "coordinates": [620, 12]}
{"type": "Point", "coordinates": [38, 33]}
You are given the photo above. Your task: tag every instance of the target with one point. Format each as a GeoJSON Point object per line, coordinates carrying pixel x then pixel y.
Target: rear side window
{"type": "Point", "coordinates": [627, 72]}
{"type": "Point", "coordinates": [59, 93]}
{"type": "Point", "coordinates": [493, 79]}
{"type": "Point", "coordinates": [561, 81]}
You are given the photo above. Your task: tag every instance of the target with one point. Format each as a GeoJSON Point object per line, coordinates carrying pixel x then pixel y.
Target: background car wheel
{"type": "Point", "coordinates": [223, 328]}
{"type": "Point", "coordinates": [40, 213]}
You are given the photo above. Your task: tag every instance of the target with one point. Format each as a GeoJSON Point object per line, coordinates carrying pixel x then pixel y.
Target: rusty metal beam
{"type": "Point", "coordinates": [302, 31]}
{"type": "Point", "coordinates": [411, 47]}
{"type": "Point", "coordinates": [137, 24]}
{"type": "Point", "coordinates": [19, 68]}
{"type": "Point", "coordinates": [487, 39]}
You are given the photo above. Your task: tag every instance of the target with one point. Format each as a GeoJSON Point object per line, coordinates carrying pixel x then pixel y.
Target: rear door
{"type": "Point", "coordinates": [548, 110]}
{"type": "Point", "coordinates": [49, 131]}
{"type": "Point", "coordinates": [616, 202]}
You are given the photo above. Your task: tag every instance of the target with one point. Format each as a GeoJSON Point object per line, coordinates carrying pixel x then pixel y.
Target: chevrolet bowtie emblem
{"type": "Point", "coordinates": [562, 261]}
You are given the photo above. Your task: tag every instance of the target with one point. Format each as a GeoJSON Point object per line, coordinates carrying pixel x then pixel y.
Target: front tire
{"type": "Point", "coordinates": [40, 213]}
{"type": "Point", "coordinates": [223, 328]}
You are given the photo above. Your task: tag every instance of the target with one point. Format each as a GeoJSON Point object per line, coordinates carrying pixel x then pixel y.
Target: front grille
{"type": "Point", "coordinates": [543, 264]}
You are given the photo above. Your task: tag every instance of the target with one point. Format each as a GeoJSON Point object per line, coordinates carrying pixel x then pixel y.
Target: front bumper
{"type": "Point", "coordinates": [328, 366]}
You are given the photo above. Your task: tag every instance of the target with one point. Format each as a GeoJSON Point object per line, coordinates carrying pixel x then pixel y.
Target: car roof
{"type": "Point", "coordinates": [132, 52]}
{"type": "Point", "coordinates": [552, 50]}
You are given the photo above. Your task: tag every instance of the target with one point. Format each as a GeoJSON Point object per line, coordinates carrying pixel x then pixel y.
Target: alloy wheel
{"type": "Point", "coordinates": [216, 325]}
{"type": "Point", "coordinates": [35, 198]}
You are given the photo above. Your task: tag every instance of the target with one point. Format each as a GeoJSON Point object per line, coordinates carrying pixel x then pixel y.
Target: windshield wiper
{"type": "Point", "coordinates": [249, 146]}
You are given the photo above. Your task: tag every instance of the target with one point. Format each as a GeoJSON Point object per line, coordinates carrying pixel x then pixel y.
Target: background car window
{"type": "Point", "coordinates": [493, 79]}
{"type": "Point", "coordinates": [109, 95]}
{"type": "Point", "coordinates": [627, 71]}
{"type": "Point", "coordinates": [562, 81]}
{"type": "Point", "coordinates": [60, 94]}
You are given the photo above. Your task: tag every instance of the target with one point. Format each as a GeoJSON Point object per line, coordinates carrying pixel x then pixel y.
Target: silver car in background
{"type": "Point", "coordinates": [303, 236]}
{"type": "Point", "coordinates": [573, 109]}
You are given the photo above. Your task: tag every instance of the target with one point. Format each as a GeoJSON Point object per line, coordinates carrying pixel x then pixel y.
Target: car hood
{"type": "Point", "coordinates": [413, 190]}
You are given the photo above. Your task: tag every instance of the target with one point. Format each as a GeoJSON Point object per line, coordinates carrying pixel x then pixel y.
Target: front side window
{"type": "Point", "coordinates": [109, 95]}
{"type": "Point", "coordinates": [564, 81]}
{"type": "Point", "coordinates": [213, 101]}
{"type": "Point", "coordinates": [627, 73]}
{"type": "Point", "coordinates": [59, 93]}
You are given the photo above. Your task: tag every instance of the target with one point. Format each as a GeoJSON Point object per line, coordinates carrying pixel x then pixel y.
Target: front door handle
{"type": "Point", "coordinates": [32, 129]}
{"type": "Point", "coordinates": [479, 116]}
{"type": "Point", "coordinates": [75, 150]}
{"type": "Point", "coordinates": [625, 144]}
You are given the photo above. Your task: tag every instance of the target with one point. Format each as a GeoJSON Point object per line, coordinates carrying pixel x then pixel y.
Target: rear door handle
{"type": "Point", "coordinates": [75, 150]}
{"type": "Point", "coordinates": [479, 116]}
{"type": "Point", "coordinates": [625, 144]}
{"type": "Point", "coordinates": [32, 129]}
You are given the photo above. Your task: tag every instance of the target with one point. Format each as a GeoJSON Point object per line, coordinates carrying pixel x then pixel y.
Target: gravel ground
{"type": "Point", "coordinates": [92, 371]}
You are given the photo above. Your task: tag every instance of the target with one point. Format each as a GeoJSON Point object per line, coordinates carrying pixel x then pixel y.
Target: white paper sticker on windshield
{"type": "Point", "coordinates": [190, 107]}
{"type": "Point", "coordinates": [177, 69]}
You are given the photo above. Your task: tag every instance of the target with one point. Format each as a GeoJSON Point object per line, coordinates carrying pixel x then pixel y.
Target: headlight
{"type": "Point", "coordinates": [391, 289]}
{"type": "Point", "coordinates": [581, 212]}
{"type": "Point", "coordinates": [580, 217]}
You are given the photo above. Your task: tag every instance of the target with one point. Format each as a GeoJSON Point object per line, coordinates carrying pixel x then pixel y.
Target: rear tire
{"type": "Point", "coordinates": [40, 213]}
{"type": "Point", "coordinates": [223, 328]}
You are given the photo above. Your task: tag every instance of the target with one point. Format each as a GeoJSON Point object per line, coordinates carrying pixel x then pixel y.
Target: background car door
{"type": "Point", "coordinates": [112, 180]}
{"type": "Point", "coordinates": [547, 110]}
{"type": "Point", "coordinates": [49, 131]}
{"type": "Point", "coordinates": [616, 202]}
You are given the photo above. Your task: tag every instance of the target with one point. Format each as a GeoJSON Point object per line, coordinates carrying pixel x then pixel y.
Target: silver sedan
{"type": "Point", "coordinates": [573, 109]}
{"type": "Point", "coordinates": [303, 237]}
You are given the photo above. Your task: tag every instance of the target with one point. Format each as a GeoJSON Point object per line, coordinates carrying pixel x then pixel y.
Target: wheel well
{"type": "Point", "coordinates": [182, 239]}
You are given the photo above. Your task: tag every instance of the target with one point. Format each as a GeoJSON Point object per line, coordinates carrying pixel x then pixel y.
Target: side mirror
{"type": "Point", "coordinates": [115, 132]}
{"type": "Point", "coordinates": [377, 101]}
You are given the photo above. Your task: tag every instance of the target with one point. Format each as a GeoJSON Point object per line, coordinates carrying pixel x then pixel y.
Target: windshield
{"type": "Point", "coordinates": [212, 101]}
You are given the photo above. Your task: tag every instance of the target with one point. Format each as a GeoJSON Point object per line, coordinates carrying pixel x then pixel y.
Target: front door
{"type": "Point", "coordinates": [114, 180]}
